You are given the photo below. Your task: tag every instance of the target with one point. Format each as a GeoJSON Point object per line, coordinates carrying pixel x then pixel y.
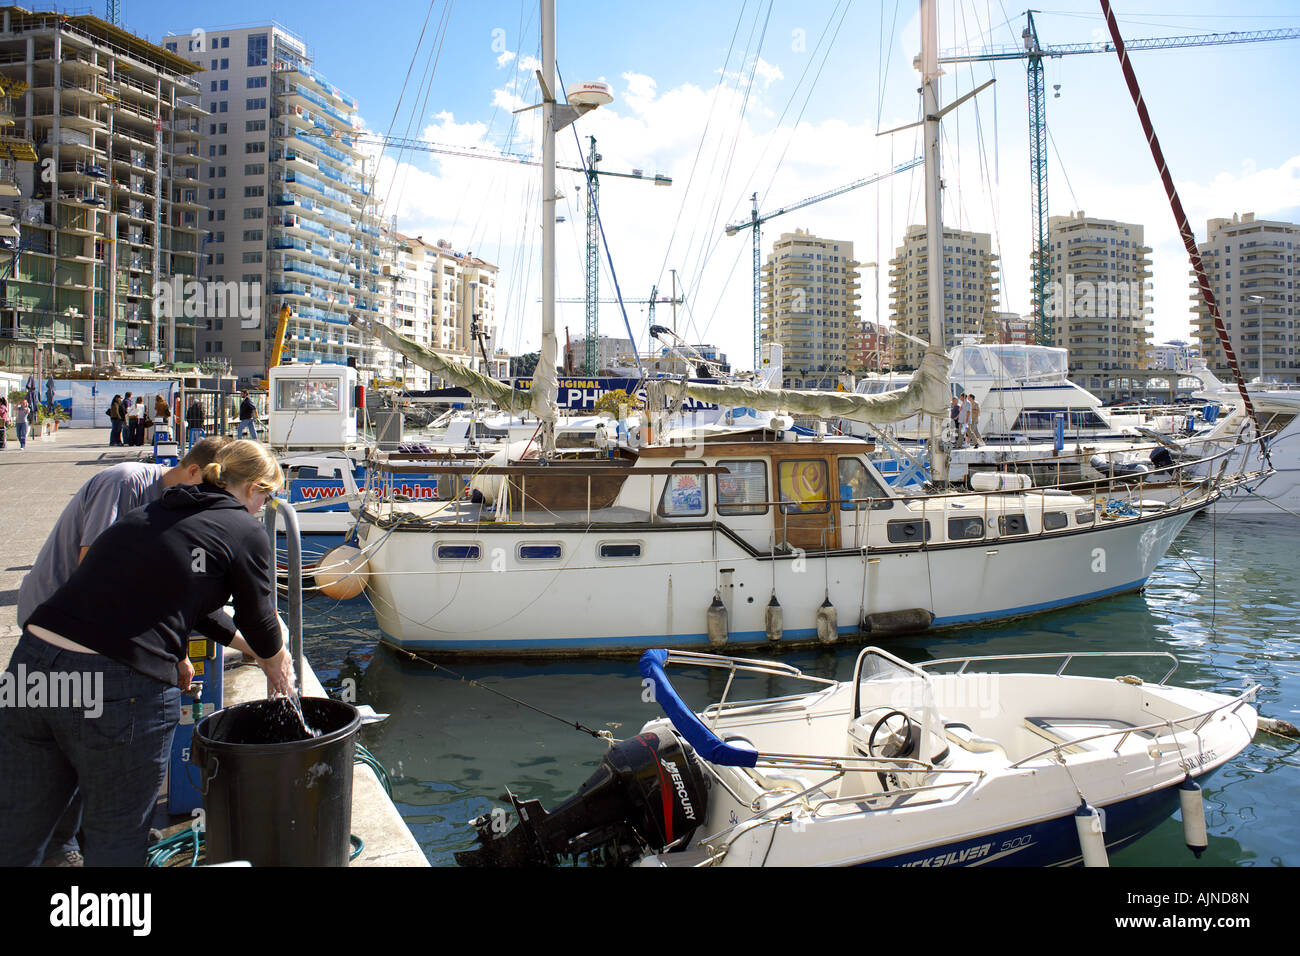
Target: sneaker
{"type": "Point", "coordinates": [64, 859]}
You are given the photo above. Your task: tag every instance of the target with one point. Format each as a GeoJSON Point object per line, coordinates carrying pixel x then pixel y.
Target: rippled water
{"type": "Point", "coordinates": [453, 748]}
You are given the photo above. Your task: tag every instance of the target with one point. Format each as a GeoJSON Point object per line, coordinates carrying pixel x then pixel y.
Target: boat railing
{"type": "Point", "coordinates": [1066, 658]}
{"type": "Point", "coordinates": [1111, 499]}
{"type": "Point", "coordinates": [1171, 724]}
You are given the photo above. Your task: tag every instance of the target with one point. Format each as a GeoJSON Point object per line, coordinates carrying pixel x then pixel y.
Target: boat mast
{"type": "Point", "coordinates": [929, 65]}
{"type": "Point", "coordinates": [545, 386]}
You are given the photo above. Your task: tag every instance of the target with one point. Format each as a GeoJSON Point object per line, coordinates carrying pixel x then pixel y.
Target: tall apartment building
{"type": "Point", "coordinates": [440, 298]}
{"type": "Point", "coordinates": [1252, 265]}
{"type": "Point", "coordinates": [1098, 290]}
{"type": "Point", "coordinates": [810, 306]}
{"type": "Point", "coordinates": [101, 173]}
{"type": "Point", "coordinates": [970, 290]}
{"type": "Point", "coordinates": [289, 209]}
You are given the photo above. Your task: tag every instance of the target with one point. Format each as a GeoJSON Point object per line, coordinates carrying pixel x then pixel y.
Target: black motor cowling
{"type": "Point", "coordinates": [647, 795]}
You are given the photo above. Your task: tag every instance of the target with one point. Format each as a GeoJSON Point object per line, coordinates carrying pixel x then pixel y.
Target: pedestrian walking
{"type": "Point", "coordinates": [974, 428]}
{"type": "Point", "coordinates": [20, 423]}
{"type": "Point", "coordinates": [4, 421]}
{"type": "Point", "coordinates": [194, 419]}
{"type": "Point", "coordinates": [247, 417]}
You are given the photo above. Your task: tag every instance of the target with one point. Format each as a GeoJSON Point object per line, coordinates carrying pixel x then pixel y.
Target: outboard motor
{"type": "Point", "coordinates": [647, 795]}
{"type": "Point", "coordinates": [1161, 458]}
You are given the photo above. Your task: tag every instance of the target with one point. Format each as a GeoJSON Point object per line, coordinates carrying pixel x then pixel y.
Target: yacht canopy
{"type": "Point", "coordinates": [926, 392]}
{"type": "Point", "coordinates": [480, 386]}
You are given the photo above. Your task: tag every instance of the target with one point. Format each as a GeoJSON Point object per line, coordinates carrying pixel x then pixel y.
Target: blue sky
{"type": "Point", "coordinates": [685, 104]}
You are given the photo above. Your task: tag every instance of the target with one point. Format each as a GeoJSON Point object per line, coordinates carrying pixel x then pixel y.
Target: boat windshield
{"type": "Point", "coordinates": [884, 683]}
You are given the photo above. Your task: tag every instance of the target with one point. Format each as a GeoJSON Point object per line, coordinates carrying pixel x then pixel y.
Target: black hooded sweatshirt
{"type": "Point", "coordinates": [163, 571]}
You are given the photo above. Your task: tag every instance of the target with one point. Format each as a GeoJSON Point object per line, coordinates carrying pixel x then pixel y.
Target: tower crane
{"type": "Point", "coordinates": [1033, 52]}
{"type": "Point", "coordinates": [592, 174]}
{"type": "Point", "coordinates": [591, 351]}
{"type": "Point", "coordinates": [756, 220]}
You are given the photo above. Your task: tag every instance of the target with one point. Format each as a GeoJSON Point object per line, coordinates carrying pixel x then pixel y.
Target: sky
{"type": "Point", "coordinates": [784, 99]}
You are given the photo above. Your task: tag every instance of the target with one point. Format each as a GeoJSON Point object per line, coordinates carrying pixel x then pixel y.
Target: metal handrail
{"type": "Point", "coordinates": [1067, 657]}
{"type": "Point", "coordinates": [293, 538]}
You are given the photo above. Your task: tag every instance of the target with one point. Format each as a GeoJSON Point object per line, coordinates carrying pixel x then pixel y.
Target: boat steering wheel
{"type": "Point", "coordinates": [900, 740]}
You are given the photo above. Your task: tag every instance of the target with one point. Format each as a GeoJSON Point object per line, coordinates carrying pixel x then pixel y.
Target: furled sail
{"type": "Point", "coordinates": [927, 393]}
{"type": "Point", "coordinates": [480, 386]}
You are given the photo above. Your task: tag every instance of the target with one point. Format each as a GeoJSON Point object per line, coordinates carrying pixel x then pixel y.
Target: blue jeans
{"type": "Point", "coordinates": [115, 436]}
{"type": "Point", "coordinates": [249, 424]}
{"type": "Point", "coordinates": [21, 425]}
{"type": "Point", "coordinates": [115, 759]}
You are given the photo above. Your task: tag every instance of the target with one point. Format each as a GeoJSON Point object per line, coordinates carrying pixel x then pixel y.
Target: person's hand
{"type": "Point", "coordinates": [279, 673]}
{"type": "Point", "coordinates": [184, 673]}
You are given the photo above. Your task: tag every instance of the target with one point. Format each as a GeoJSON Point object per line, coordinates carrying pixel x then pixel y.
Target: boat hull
{"type": "Point", "coordinates": [497, 603]}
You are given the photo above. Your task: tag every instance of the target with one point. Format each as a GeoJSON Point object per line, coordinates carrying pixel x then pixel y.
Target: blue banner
{"type": "Point", "coordinates": [579, 394]}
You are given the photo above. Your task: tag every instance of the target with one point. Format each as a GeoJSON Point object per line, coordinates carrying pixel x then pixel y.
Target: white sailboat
{"type": "Point", "coordinates": [743, 539]}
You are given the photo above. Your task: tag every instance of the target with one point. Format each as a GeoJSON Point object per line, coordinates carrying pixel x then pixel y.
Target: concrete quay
{"type": "Point", "coordinates": [36, 484]}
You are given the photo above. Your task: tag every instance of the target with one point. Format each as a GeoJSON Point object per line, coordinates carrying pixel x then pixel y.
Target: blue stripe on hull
{"type": "Point", "coordinates": [1051, 842]}
{"type": "Point", "coordinates": [701, 639]}
{"type": "Point", "coordinates": [1032, 608]}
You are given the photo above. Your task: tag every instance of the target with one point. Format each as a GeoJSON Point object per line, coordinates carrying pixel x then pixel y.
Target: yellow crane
{"type": "Point", "coordinates": [277, 344]}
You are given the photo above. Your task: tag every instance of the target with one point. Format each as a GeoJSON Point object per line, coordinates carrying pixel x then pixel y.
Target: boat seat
{"type": "Point", "coordinates": [779, 783]}
{"type": "Point", "coordinates": [964, 737]}
{"type": "Point", "coordinates": [1066, 730]}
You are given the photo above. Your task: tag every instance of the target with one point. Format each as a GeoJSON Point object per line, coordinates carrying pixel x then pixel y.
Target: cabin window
{"type": "Point", "coordinates": [620, 549]}
{"type": "Point", "coordinates": [857, 483]}
{"type": "Point", "coordinates": [963, 529]}
{"type": "Point", "coordinates": [744, 490]}
{"type": "Point", "coordinates": [458, 552]}
{"type": "Point", "coordinates": [1055, 520]}
{"type": "Point", "coordinates": [803, 486]}
{"type": "Point", "coordinates": [539, 552]}
{"type": "Point", "coordinates": [1083, 517]}
{"type": "Point", "coordinates": [685, 496]}
{"type": "Point", "coordinates": [307, 394]}
{"type": "Point", "coordinates": [905, 531]}
{"type": "Point", "coordinates": [1012, 524]}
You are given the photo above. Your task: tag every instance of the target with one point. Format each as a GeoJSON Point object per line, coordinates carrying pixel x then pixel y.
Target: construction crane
{"type": "Point", "coordinates": [756, 221]}
{"type": "Point", "coordinates": [113, 12]}
{"type": "Point", "coordinates": [592, 174]}
{"type": "Point", "coordinates": [591, 352]}
{"type": "Point", "coordinates": [277, 344]}
{"type": "Point", "coordinates": [1033, 52]}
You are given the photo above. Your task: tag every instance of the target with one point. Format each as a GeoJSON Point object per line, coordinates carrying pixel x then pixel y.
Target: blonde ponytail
{"type": "Point", "coordinates": [244, 462]}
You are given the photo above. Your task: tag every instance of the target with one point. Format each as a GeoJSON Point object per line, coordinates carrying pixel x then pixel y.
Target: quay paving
{"type": "Point", "coordinates": [36, 484]}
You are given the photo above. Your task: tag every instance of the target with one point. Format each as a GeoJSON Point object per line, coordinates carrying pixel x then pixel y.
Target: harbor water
{"type": "Point", "coordinates": [1224, 602]}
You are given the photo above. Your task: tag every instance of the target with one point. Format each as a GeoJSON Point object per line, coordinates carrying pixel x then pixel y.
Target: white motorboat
{"type": "Point", "coordinates": [1033, 420]}
{"type": "Point", "coordinates": [962, 762]}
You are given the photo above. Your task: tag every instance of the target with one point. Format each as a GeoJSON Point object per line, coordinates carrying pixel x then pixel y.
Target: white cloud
{"type": "Point", "coordinates": [505, 57]}
{"type": "Point", "coordinates": [768, 72]}
{"type": "Point", "coordinates": [717, 159]}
